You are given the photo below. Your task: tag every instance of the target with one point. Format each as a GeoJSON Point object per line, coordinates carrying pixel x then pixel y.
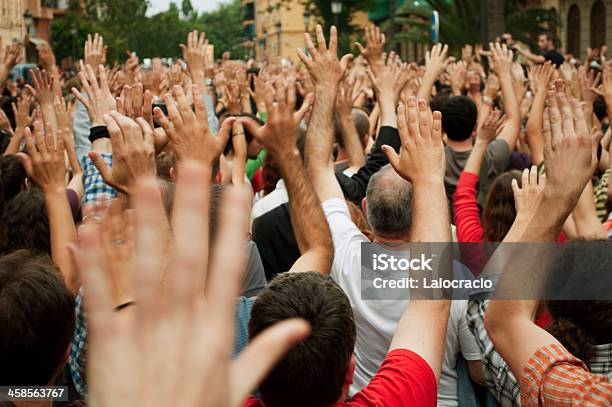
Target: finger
{"type": "Point", "coordinates": [198, 102]}
{"type": "Point", "coordinates": [547, 131]}
{"type": "Point", "coordinates": [516, 191]}
{"type": "Point", "coordinates": [306, 104]}
{"type": "Point", "coordinates": [149, 247]}
{"type": "Point", "coordinates": [402, 123]}
{"type": "Point", "coordinates": [26, 161]}
{"type": "Point", "coordinates": [423, 118]}
{"type": "Point", "coordinates": [310, 46]}
{"type": "Point", "coordinates": [333, 40]}
{"type": "Point", "coordinates": [533, 175]}
{"type": "Point", "coordinates": [116, 136]}
{"type": "Point", "coordinates": [190, 224]}
{"type": "Point", "coordinates": [412, 116]}
{"type": "Point", "coordinates": [105, 171]}
{"type": "Point", "coordinates": [320, 39]}
{"type": "Point", "coordinates": [555, 118]}
{"type": "Point", "coordinates": [266, 349]}
{"type": "Point", "coordinates": [392, 156]}
{"type": "Point", "coordinates": [436, 128]}
{"type": "Point", "coordinates": [525, 178]}
{"type": "Point", "coordinates": [165, 123]}
{"type": "Point", "coordinates": [173, 113]}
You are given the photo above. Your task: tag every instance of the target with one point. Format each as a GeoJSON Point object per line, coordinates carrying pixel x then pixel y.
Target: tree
{"type": "Point", "coordinates": [460, 21]}
{"type": "Point", "coordinates": [224, 28]}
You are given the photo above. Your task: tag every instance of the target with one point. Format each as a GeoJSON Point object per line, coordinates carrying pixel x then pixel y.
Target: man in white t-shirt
{"type": "Point", "coordinates": [388, 208]}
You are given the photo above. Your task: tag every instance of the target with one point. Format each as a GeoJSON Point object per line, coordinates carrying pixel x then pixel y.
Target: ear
{"type": "Point", "coordinates": [364, 206]}
{"type": "Point", "coordinates": [350, 372]}
{"type": "Point", "coordinates": [172, 174]}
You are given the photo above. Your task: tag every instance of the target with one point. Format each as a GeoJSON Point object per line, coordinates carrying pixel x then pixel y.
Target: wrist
{"type": "Point", "coordinates": [53, 188]}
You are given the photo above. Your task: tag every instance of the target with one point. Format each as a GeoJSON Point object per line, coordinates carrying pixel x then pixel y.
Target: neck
{"type": "Point", "coordinates": [465, 145]}
{"type": "Point", "coordinates": [383, 239]}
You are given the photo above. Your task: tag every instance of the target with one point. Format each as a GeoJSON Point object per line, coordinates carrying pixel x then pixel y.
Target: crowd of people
{"type": "Point", "coordinates": [191, 235]}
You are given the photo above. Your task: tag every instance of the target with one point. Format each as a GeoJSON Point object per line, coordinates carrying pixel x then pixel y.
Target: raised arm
{"type": "Point", "coordinates": [540, 76]}
{"type": "Point", "coordinates": [421, 161]}
{"type": "Point", "coordinates": [538, 59]}
{"type": "Point", "coordinates": [570, 157]}
{"type": "Point", "coordinates": [348, 132]}
{"type": "Point", "coordinates": [280, 135]}
{"type": "Point", "coordinates": [326, 73]}
{"type": "Point", "coordinates": [501, 63]}
{"type": "Point", "coordinates": [45, 165]}
{"type": "Point", "coordinates": [375, 47]}
{"type": "Point", "coordinates": [435, 63]}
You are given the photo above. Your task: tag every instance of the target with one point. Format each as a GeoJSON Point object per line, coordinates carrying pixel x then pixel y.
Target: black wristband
{"type": "Point", "coordinates": [98, 132]}
{"type": "Point", "coordinates": [124, 305]}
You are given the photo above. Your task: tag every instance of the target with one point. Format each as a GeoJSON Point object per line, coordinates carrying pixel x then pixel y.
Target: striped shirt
{"type": "Point", "coordinates": [553, 376]}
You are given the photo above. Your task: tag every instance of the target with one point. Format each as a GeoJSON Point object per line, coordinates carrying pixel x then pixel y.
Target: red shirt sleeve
{"type": "Point", "coordinates": [404, 379]}
{"type": "Point", "coordinates": [467, 216]}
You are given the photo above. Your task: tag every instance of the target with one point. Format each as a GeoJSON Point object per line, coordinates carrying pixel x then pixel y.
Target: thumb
{"type": "Point", "coordinates": [360, 48]}
{"type": "Point", "coordinates": [392, 156]}
{"type": "Point", "coordinates": [26, 161]}
{"type": "Point", "coordinates": [105, 172]}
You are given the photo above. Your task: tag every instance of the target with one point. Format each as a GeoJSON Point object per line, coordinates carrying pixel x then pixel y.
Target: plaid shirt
{"type": "Point", "coordinates": [498, 376]}
{"type": "Point", "coordinates": [93, 185]}
{"type": "Point", "coordinates": [78, 348]}
{"type": "Point", "coordinates": [553, 376]}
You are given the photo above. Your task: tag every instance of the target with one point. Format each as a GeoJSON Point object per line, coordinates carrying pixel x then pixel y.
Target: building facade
{"type": "Point", "coordinates": [12, 28]}
{"type": "Point", "coordinates": [275, 28]}
{"type": "Point", "coordinates": [585, 23]}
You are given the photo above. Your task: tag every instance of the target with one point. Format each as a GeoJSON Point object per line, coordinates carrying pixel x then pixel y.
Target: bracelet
{"type": "Point", "coordinates": [487, 100]}
{"type": "Point", "coordinates": [238, 134]}
{"type": "Point", "coordinates": [98, 132]}
{"type": "Point", "coordinates": [124, 305]}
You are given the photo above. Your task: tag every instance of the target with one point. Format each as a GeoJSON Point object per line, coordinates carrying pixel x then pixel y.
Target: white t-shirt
{"type": "Point", "coordinates": [376, 320]}
{"type": "Point", "coordinates": [271, 201]}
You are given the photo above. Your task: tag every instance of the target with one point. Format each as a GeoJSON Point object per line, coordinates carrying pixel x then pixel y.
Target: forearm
{"type": "Point", "coordinates": [354, 151]}
{"type": "Point", "coordinates": [512, 111]}
{"type": "Point", "coordinates": [63, 232]}
{"type": "Point", "coordinates": [476, 156]}
{"type": "Point", "coordinates": [388, 114]}
{"type": "Point", "coordinates": [533, 129]}
{"type": "Point", "coordinates": [309, 224]}
{"type": "Point", "coordinates": [538, 59]}
{"type": "Point", "coordinates": [13, 146]}
{"type": "Point", "coordinates": [425, 90]}
{"type": "Point", "coordinates": [319, 140]}
{"type": "Point", "coordinates": [431, 216]}
{"type": "Point", "coordinates": [585, 217]}
{"type": "Point", "coordinates": [240, 154]}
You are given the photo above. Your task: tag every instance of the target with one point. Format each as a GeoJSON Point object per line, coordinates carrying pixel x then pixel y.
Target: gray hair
{"type": "Point", "coordinates": [389, 203]}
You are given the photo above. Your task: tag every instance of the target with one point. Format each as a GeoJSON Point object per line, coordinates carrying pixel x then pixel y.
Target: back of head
{"type": "Point", "coordinates": [36, 319]}
{"type": "Point", "coordinates": [389, 203]}
{"type": "Point", "coordinates": [579, 325]}
{"type": "Point", "coordinates": [313, 373]}
{"type": "Point", "coordinates": [24, 224]}
{"type": "Point", "coordinates": [12, 178]}
{"type": "Point", "coordinates": [459, 115]}
{"type": "Point", "coordinates": [362, 124]}
{"type": "Point", "coordinates": [499, 211]}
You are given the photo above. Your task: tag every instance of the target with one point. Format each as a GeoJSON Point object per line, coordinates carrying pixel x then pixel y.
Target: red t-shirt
{"type": "Point", "coordinates": [404, 379]}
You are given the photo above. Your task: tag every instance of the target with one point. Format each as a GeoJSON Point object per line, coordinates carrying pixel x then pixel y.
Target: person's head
{"type": "Point", "coordinates": [545, 42]}
{"type": "Point", "coordinates": [362, 124]}
{"type": "Point", "coordinates": [506, 38]}
{"type": "Point", "coordinates": [459, 116]}
{"type": "Point", "coordinates": [499, 210]}
{"type": "Point", "coordinates": [388, 204]}
{"type": "Point", "coordinates": [579, 325]}
{"type": "Point", "coordinates": [24, 224]}
{"type": "Point", "coordinates": [12, 178]}
{"type": "Point", "coordinates": [253, 146]}
{"type": "Point", "coordinates": [600, 108]}
{"type": "Point", "coordinates": [318, 371]}
{"type": "Point", "coordinates": [36, 319]}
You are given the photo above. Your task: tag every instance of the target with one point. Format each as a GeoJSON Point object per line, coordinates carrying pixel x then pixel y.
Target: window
{"type": "Point", "coordinates": [598, 24]}
{"type": "Point", "coordinates": [573, 31]}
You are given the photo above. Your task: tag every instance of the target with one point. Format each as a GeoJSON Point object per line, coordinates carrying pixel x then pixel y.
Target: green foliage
{"type": "Point", "coordinates": [460, 21]}
{"type": "Point", "coordinates": [125, 26]}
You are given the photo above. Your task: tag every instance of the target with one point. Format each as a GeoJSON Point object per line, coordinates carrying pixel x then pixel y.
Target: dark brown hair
{"type": "Point", "coordinates": [499, 211]}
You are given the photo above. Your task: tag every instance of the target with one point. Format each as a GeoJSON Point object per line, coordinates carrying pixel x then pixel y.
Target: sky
{"type": "Point", "coordinates": [201, 5]}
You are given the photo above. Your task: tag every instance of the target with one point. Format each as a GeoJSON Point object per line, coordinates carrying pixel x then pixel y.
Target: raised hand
{"type": "Point", "coordinates": [490, 127]}
{"type": "Point", "coordinates": [9, 56]}
{"type": "Point", "coordinates": [391, 78]}
{"type": "Point", "coordinates": [421, 157]}
{"type": "Point", "coordinates": [99, 100]}
{"type": "Point", "coordinates": [192, 337]}
{"type": "Point", "coordinates": [501, 59]}
{"type": "Point", "coordinates": [43, 87]}
{"type": "Point", "coordinates": [188, 130]}
{"type": "Point", "coordinates": [46, 56]}
{"type": "Point", "coordinates": [570, 150]}
{"type": "Point", "coordinates": [436, 60]}
{"type": "Point", "coordinates": [44, 162]}
{"type": "Point", "coordinates": [194, 53]}
{"type": "Point", "coordinates": [95, 51]}
{"type": "Point", "coordinates": [345, 97]}
{"type": "Point", "coordinates": [528, 196]}
{"type": "Point", "coordinates": [64, 125]}
{"type": "Point", "coordinates": [492, 86]}
{"type": "Point", "coordinates": [457, 76]}
{"type": "Point", "coordinates": [322, 64]}
{"type": "Point", "coordinates": [279, 134]}
{"type": "Point", "coordinates": [540, 76]}
{"type": "Point", "coordinates": [375, 46]}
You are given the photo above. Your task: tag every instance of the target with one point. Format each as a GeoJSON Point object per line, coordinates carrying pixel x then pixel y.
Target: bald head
{"type": "Point", "coordinates": [389, 204]}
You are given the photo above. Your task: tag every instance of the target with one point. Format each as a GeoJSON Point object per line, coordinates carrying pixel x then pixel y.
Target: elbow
{"type": "Point", "coordinates": [492, 322]}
